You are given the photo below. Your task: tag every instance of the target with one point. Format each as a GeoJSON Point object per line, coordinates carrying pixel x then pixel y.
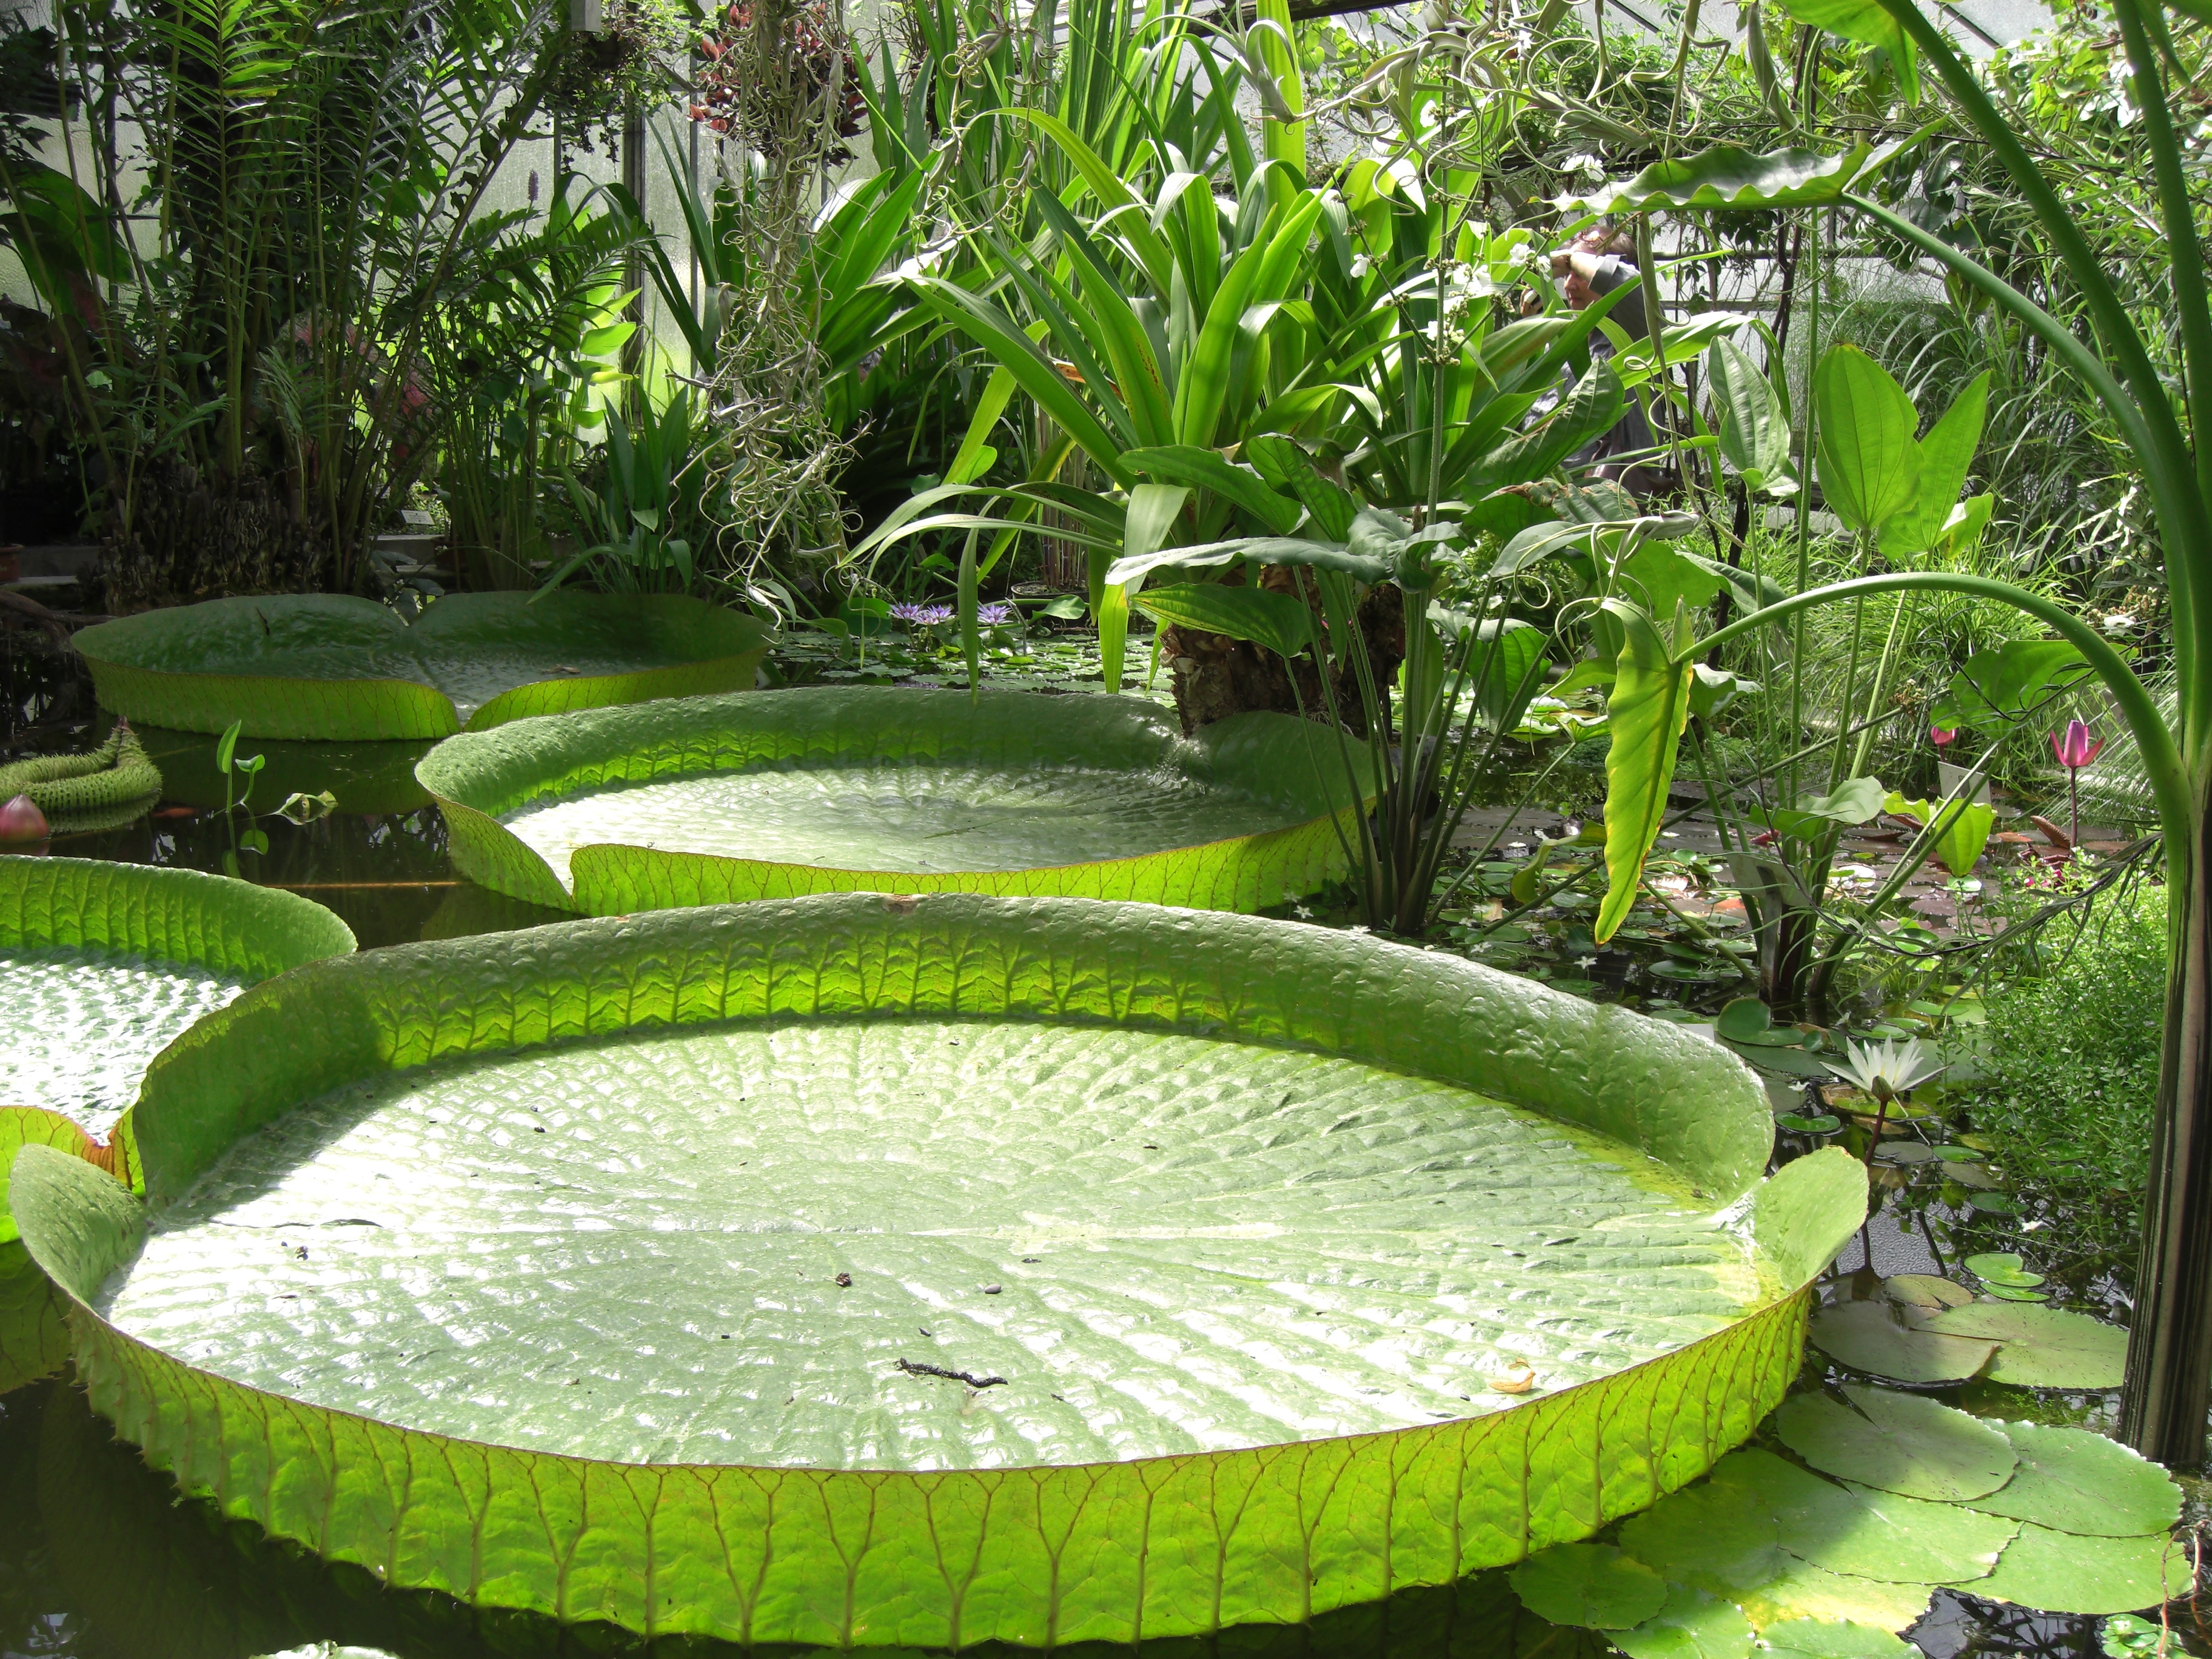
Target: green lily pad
{"type": "Point", "coordinates": [747, 797]}
{"type": "Point", "coordinates": [33, 1340]}
{"type": "Point", "coordinates": [1875, 1337]}
{"type": "Point", "coordinates": [1716, 1536]}
{"type": "Point", "coordinates": [1798, 1123]}
{"type": "Point", "coordinates": [341, 670]}
{"type": "Point", "coordinates": [1924, 1291]}
{"type": "Point", "coordinates": [1692, 1625]}
{"type": "Point", "coordinates": [1832, 1638]}
{"type": "Point", "coordinates": [1806, 1592]}
{"type": "Point", "coordinates": [1864, 1533]}
{"type": "Point", "coordinates": [2065, 1572]}
{"type": "Point", "coordinates": [102, 965]}
{"type": "Point", "coordinates": [1746, 1019]}
{"type": "Point", "coordinates": [2041, 1348]}
{"type": "Point", "coordinates": [2072, 1481]}
{"type": "Point", "coordinates": [2012, 1293]}
{"type": "Point", "coordinates": [1027, 1230]}
{"type": "Point", "coordinates": [1591, 1585]}
{"type": "Point", "coordinates": [1900, 1442]}
{"type": "Point", "coordinates": [2001, 1268]}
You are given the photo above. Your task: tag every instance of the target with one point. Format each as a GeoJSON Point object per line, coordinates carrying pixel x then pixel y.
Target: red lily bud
{"type": "Point", "coordinates": [1942, 736]}
{"type": "Point", "coordinates": [2074, 747]}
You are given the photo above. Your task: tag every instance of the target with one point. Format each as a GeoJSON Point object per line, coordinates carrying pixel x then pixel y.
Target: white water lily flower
{"type": "Point", "coordinates": [1886, 1069]}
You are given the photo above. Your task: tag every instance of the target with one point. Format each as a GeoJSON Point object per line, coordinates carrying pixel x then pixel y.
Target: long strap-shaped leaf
{"type": "Point", "coordinates": [1649, 707]}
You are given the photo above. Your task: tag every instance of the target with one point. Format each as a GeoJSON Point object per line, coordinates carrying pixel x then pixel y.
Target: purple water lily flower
{"type": "Point", "coordinates": [997, 614]}
{"type": "Point", "coordinates": [922, 615]}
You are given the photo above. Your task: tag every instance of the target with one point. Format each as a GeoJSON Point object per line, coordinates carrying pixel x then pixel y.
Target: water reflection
{"type": "Point", "coordinates": [380, 860]}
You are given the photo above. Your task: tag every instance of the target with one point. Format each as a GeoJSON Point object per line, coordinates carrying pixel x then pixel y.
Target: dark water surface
{"type": "Point", "coordinates": [100, 1558]}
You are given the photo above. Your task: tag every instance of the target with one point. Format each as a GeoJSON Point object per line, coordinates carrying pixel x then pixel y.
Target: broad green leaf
{"type": "Point", "coordinates": [1655, 575]}
{"type": "Point", "coordinates": [1993, 688]}
{"type": "Point", "coordinates": [1507, 665]}
{"type": "Point", "coordinates": [1153, 510]}
{"type": "Point", "coordinates": [1589, 410]}
{"type": "Point", "coordinates": [1717, 1537]}
{"type": "Point", "coordinates": [1870, 23]}
{"type": "Point", "coordinates": [1753, 423]}
{"type": "Point", "coordinates": [1592, 1585]}
{"type": "Point", "coordinates": [1647, 711]}
{"type": "Point", "coordinates": [1280, 622]}
{"type": "Point", "coordinates": [1713, 689]}
{"type": "Point", "coordinates": [1854, 800]}
{"type": "Point", "coordinates": [1962, 827]}
{"type": "Point", "coordinates": [1899, 1442]}
{"type": "Point", "coordinates": [1869, 463]}
{"type": "Point", "coordinates": [1875, 1337]}
{"type": "Point", "coordinates": [1869, 1534]}
{"type": "Point", "coordinates": [2061, 1572]}
{"type": "Point", "coordinates": [2073, 1480]}
{"type": "Point", "coordinates": [340, 668]}
{"type": "Point", "coordinates": [1945, 454]}
{"type": "Point", "coordinates": [1260, 549]}
{"type": "Point", "coordinates": [744, 1065]}
{"type": "Point", "coordinates": [1730, 176]}
{"type": "Point", "coordinates": [976, 453]}
{"type": "Point", "coordinates": [1205, 469]}
{"type": "Point", "coordinates": [1539, 542]}
{"type": "Point", "coordinates": [2041, 1348]}
{"type": "Point", "coordinates": [819, 789]}
{"type": "Point", "coordinates": [1832, 1638]}
{"type": "Point", "coordinates": [1692, 1625]}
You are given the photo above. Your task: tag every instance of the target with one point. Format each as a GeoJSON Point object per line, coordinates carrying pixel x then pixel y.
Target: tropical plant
{"type": "Point", "coordinates": [2170, 1365]}
{"type": "Point", "coordinates": [253, 377]}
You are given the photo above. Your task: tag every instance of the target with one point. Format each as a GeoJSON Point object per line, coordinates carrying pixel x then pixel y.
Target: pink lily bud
{"type": "Point", "coordinates": [22, 821]}
{"type": "Point", "coordinates": [1942, 736]}
{"type": "Point", "coordinates": [2074, 747]}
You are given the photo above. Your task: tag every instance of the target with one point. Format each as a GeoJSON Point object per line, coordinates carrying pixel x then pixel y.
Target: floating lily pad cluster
{"type": "Point", "coordinates": [1920, 1329]}
{"type": "Point", "coordinates": [1012, 1231]}
{"type": "Point", "coordinates": [1889, 1498]}
{"type": "Point", "coordinates": [335, 669]}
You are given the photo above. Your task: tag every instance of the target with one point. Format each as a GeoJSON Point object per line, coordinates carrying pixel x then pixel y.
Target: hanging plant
{"type": "Point", "coordinates": [598, 72]}
{"type": "Point", "coordinates": [759, 57]}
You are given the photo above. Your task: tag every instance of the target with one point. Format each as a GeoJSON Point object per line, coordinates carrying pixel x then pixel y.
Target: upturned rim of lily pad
{"type": "Point", "coordinates": [1268, 1534]}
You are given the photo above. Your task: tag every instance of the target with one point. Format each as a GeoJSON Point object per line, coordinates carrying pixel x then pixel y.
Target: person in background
{"type": "Point", "coordinates": [1592, 266]}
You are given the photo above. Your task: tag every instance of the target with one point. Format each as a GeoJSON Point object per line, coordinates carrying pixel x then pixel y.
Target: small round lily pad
{"type": "Point", "coordinates": [1595, 1586]}
{"type": "Point", "coordinates": [1833, 1638]}
{"type": "Point", "coordinates": [1900, 1442]}
{"type": "Point", "coordinates": [1692, 1625]}
{"type": "Point", "coordinates": [1714, 1537]}
{"type": "Point", "coordinates": [1806, 1591]}
{"type": "Point", "coordinates": [2001, 1267]}
{"type": "Point", "coordinates": [1799, 1123]}
{"type": "Point", "coordinates": [1925, 1291]}
{"type": "Point", "coordinates": [2072, 1481]}
{"type": "Point", "coordinates": [2063, 1572]}
{"type": "Point", "coordinates": [1872, 1337]}
{"type": "Point", "coordinates": [2040, 1347]}
{"type": "Point", "coordinates": [1869, 1534]}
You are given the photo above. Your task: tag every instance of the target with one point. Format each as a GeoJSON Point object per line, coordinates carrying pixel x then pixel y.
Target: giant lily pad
{"type": "Point", "coordinates": [101, 965]}
{"type": "Point", "coordinates": [713, 800]}
{"type": "Point", "coordinates": [864, 1270]}
{"type": "Point", "coordinates": [345, 670]}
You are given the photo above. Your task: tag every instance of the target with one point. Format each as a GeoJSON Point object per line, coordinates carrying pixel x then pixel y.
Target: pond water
{"type": "Point", "coordinates": [100, 1559]}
